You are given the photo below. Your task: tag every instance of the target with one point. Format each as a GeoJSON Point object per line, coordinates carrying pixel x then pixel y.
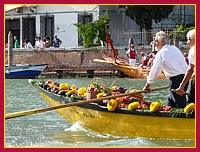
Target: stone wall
{"type": "Point", "coordinates": [62, 58]}
{"type": "Point", "coordinates": [58, 58]}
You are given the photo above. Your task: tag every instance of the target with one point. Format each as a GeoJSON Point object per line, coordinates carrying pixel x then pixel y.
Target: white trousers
{"type": "Point", "coordinates": [132, 61]}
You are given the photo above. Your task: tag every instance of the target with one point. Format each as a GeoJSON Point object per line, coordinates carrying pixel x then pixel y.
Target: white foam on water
{"type": "Point", "coordinates": [75, 127]}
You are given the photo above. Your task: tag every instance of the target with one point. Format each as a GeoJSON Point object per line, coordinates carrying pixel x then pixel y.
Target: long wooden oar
{"type": "Point", "coordinates": [35, 111]}
{"type": "Point", "coordinates": [103, 61]}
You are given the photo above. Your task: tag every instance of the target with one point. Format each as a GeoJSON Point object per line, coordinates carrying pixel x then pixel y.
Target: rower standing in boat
{"type": "Point", "coordinates": [171, 61]}
{"type": "Point", "coordinates": [132, 55]}
{"type": "Point", "coordinates": [190, 71]}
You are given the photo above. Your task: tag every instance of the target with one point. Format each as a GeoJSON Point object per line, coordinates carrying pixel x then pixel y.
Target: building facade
{"type": "Point", "coordinates": [29, 21]}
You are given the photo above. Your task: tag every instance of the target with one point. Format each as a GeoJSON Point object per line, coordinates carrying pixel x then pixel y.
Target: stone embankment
{"type": "Point", "coordinates": [70, 62]}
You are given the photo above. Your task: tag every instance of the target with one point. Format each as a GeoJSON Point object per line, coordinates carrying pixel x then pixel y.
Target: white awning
{"type": "Point", "coordinates": [8, 7]}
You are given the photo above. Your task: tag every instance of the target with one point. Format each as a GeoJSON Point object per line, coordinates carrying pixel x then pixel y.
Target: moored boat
{"type": "Point", "coordinates": [24, 71]}
{"type": "Point", "coordinates": [133, 71]}
{"type": "Point", "coordinates": [123, 121]}
{"type": "Point", "coordinates": [21, 71]}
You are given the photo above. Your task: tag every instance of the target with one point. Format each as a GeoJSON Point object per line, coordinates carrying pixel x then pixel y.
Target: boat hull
{"type": "Point", "coordinates": [123, 122]}
{"type": "Point", "coordinates": [136, 72]}
{"type": "Point", "coordinates": [132, 71]}
{"type": "Point", "coordinates": [24, 71]}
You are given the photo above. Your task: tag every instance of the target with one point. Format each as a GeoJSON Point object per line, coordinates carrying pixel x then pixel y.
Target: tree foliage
{"type": "Point", "coordinates": [181, 31]}
{"type": "Point", "coordinates": [144, 15]}
{"type": "Point", "coordinates": [93, 30]}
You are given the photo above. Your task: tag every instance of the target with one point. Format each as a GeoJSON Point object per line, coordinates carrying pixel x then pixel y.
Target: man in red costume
{"type": "Point", "coordinates": [132, 55]}
{"type": "Point", "coordinates": [144, 60]}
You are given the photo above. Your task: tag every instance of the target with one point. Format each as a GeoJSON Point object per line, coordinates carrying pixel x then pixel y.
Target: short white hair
{"type": "Point", "coordinates": [191, 34]}
{"type": "Point", "coordinates": [162, 36]}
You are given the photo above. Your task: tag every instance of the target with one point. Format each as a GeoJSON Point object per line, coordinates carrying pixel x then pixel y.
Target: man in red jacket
{"type": "Point", "coordinates": [132, 55]}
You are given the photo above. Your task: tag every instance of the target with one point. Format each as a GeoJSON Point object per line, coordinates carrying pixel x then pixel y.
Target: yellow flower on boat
{"type": "Point", "coordinates": [189, 107]}
{"type": "Point", "coordinates": [127, 91]}
{"type": "Point", "coordinates": [133, 105]}
{"type": "Point", "coordinates": [119, 99]}
{"type": "Point", "coordinates": [73, 86]}
{"type": "Point", "coordinates": [53, 86]}
{"type": "Point", "coordinates": [73, 91]}
{"type": "Point", "coordinates": [99, 95]}
{"type": "Point", "coordinates": [64, 86]}
{"type": "Point", "coordinates": [82, 91]}
{"type": "Point", "coordinates": [111, 105]}
{"type": "Point", "coordinates": [154, 106]}
{"type": "Point", "coordinates": [114, 88]}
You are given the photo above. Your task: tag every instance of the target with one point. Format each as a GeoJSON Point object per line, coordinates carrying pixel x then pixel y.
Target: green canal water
{"type": "Point", "coordinates": [49, 129]}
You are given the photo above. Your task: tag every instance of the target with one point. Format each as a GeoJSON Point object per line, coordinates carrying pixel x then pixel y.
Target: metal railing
{"type": "Point", "coordinates": [143, 38]}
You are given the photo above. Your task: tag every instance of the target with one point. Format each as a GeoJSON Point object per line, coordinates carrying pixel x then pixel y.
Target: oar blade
{"type": "Point", "coordinates": [102, 61]}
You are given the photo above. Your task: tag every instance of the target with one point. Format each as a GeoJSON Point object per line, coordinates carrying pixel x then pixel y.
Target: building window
{"type": "Point", "coordinates": [47, 26]}
{"type": "Point", "coordinates": [12, 25]}
{"type": "Point", "coordinates": [28, 29]}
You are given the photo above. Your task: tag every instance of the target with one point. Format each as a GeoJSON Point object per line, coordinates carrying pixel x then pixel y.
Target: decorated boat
{"type": "Point", "coordinates": [120, 113]}
{"type": "Point", "coordinates": [20, 71]}
{"type": "Point", "coordinates": [133, 71]}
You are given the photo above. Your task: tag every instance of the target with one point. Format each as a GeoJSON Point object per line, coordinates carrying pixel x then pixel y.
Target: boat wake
{"type": "Point", "coordinates": [89, 138]}
{"type": "Point", "coordinates": [75, 127]}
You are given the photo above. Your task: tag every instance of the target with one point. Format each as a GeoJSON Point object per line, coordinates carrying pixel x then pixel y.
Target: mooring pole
{"type": "Point", "coordinates": [130, 41]}
{"type": "Point", "coordinates": [10, 48]}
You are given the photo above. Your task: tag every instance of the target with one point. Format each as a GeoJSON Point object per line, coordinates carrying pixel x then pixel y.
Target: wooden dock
{"type": "Point", "coordinates": [90, 73]}
{"type": "Point", "coordinates": [80, 71]}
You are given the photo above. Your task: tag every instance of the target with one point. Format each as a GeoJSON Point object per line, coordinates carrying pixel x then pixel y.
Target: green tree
{"type": "Point", "coordinates": [181, 31]}
{"type": "Point", "coordinates": [144, 15]}
{"type": "Point", "coordinates": [93, 30]}
{"type": "Point", "coordinates": [87, 32]}
{"type": "Point", "coordinates": [101, 23]}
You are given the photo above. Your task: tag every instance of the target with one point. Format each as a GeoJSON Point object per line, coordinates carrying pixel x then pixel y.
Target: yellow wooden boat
{"type": "Point", "coordinates": [122, 65]}
{"type": "Point", "coordinates": [132, 71]}
{"type": "Point", "coordinates": [124, 122]}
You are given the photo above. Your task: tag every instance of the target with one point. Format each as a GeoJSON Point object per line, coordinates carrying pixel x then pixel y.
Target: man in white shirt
{"type": "Point", "coordinates": [190, 71]}
{"type": "Point", "coordinates": [27, 44]}
{"type": "Point", "coordinates": [170, 60]}
{"type": "Point", "coordinates": [38, 42]}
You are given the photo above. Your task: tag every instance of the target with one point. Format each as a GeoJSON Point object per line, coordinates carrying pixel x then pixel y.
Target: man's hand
{"type": "Point", "coordinates": [147, 87]}
{"type": "Point", "coordinates": [180, 91]}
